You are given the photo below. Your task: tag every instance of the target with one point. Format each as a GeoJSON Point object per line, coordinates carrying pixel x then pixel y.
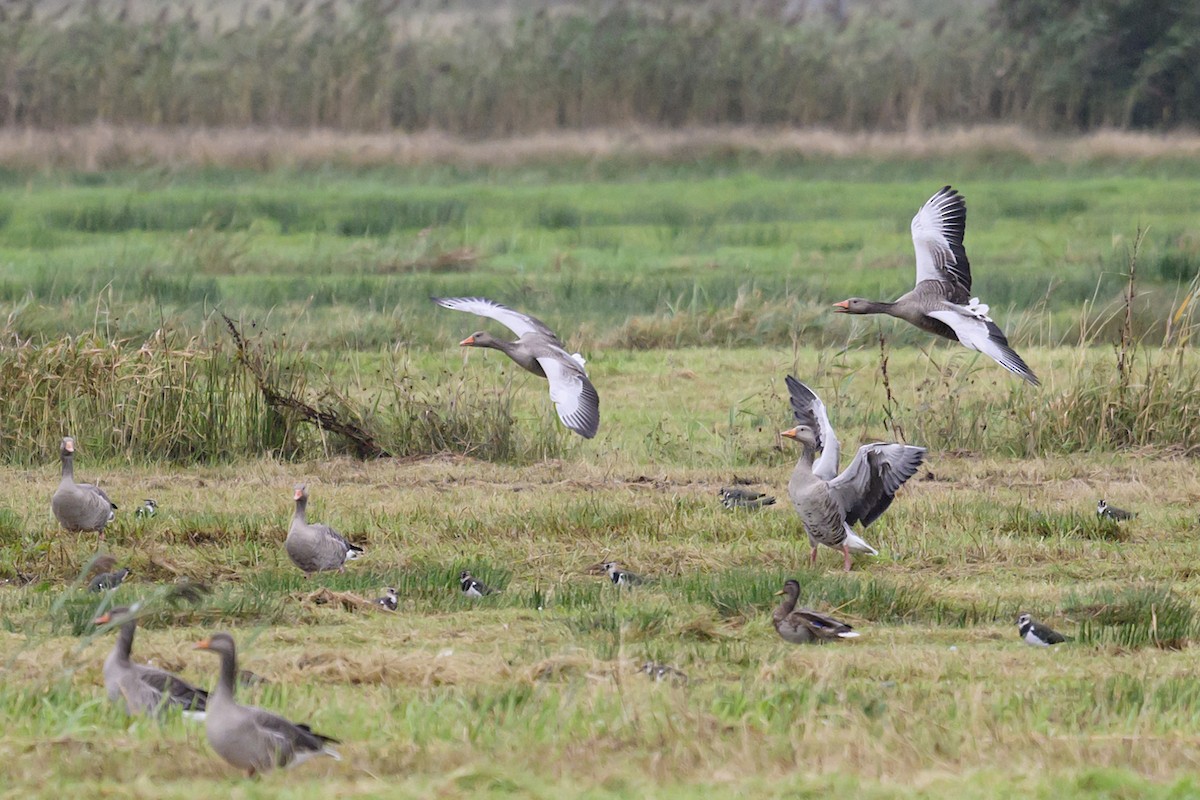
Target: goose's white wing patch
{"type": "Point", "coordinates": [976, 330]}
{"type": "Point", "coordinates": [937, 233]}
{"type": "Point", "coordinates": [574, 396]}
{"type": "Point", "coordinates": [515, 321]}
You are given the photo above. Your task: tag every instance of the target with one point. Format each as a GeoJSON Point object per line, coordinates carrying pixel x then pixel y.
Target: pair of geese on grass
{"type": "Point", "coordinates": [940, 303]}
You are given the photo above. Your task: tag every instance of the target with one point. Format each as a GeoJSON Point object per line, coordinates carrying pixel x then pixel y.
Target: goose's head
{"type": "Point", "coordinates": [853, 305]}
{"type": "Point", "coordinates": [803, 434]}
{"type": "Point", "coordinates": [478, 339]}
{"type": "Point", "coordinates": [67, 448]}
{"type": "Point", "coordinates": [221, 643]}
{"type": "Point", "coordinates": [301, 492]}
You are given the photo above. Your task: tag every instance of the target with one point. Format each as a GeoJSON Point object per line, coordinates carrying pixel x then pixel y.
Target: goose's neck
{"type": "Point", "coordinates": [227, 682]}
{"type": "Point", "coordinates": [125, 641]}
{"type": "Point", "coordinates": [876, 307]}
{"type": "Point", "coordinates": [301, 514]}
{"type": "Point", "coordinates": [68, 468]}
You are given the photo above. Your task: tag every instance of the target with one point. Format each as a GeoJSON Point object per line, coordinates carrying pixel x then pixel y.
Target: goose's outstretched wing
{"type": "Point", "coordinates": [514, 320]}
{"type": "Point", "coordinates": [866, 488]}
{"type": "Point", "coordinates": [807, 409]}
{"type": "Point", "coordinates": [574, 397]}
{"type": "Point", "coordinates": [937, 234]}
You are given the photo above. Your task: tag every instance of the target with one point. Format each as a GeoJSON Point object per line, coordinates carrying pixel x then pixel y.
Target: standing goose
{"type": "Point", "coordinates": [538, 350]}
{"type": "Point", "coordinates": [79, 506]}
{"type": "Point", "coordinates": [142, 689]}
{"type": "Point", "coordinates": [250, 738]}
{"type": "Point", "coordinates": [941, 302]}
{"type": "Point", "coordinates": [313, 547]}
{"type": "Point", "coordinates": [803, 625]}
{"type": "Point", "coordinates": [829, 503]}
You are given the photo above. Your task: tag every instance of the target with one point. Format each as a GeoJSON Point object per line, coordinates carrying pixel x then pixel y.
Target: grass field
{"type": "Point", "coordinates": [692, 291]}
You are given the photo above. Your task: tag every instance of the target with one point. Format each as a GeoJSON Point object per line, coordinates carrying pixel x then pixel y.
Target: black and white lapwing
{"type": "Point", "coordinates": [663, 672]}
{"type": "Point", "coordinates": [473, 587]}
{"type": "Point", "coordinates": [1103, 509]}
{"type": "Point", "coordinates": [390, 600]}
{"type": "Point", "coordinates": [621, 577]}
{"type": "Point", "coordinates": [1036, 634]}
{"type": "Point", "coordinates": [107, 581]}
{"type": "Point", "coordinates": [744, 498]}
{"type": "Point", "coordinates": [147, 509]}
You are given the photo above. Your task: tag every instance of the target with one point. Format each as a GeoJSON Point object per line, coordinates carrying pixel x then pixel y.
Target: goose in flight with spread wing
{"type": "Point", "coordinates": [540, 351]}
{"type": "Point", "coordinates": [941, 302]}
{"type": "Point", "coordinates": [828, 502]}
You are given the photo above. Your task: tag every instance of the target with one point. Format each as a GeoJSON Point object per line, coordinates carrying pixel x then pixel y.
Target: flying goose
{"type": "Point", "coordinates": [79, 506]}
{"type": "Point", "coordinates": [538, 350]}
{"type": "Point", "coordinates": [250, 738]}
{"type": "Point", "coordinates": [1036, 634]}
{"type": "Point", "coordinates": [621, 577]}
{"type": "Point", "coordinates": [390, 600]}
{"type": "Point", "coordinates": [108, 581]}
{"type": "Point", "coordinates": [1103, 509]}
{"type": "Point", "coordinates": [829, 503]}
{"type": "Point", "coordinates": [139, 688]}
{"type": "Point", "coordinates": [941, 302]}
{"type": "Point", "coordinates": [313, 547]}
{"type": "Point", "coordinates": [473, 587]}
{"type": "Point", "coordinates": [744, 498]}
{"type": "Point", "coordinates": [803, 625]}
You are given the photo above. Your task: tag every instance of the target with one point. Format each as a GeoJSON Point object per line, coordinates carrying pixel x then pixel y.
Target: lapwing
{"type": "Point", "coordinates": [148, 508]}
{"type": "Point", "coordinates": [107, 581]}
{"type": "Point", "coordinates": [621, 577]}
{"type": "Point", "coordinates": [472, 587]}
{"type": "Point", "coordinates": [744, 498]}
{"type": "Point", "coordinates": [390, 600]}
{"type": "Point", "coordinates": [1103, 509]}
{"type": "Point", "coordinates": [663, 672]}
{"type": "Point", "coordinates": [1036, 634]}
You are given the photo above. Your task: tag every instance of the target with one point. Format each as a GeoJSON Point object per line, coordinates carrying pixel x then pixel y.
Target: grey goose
{"type": "Point", "coordinates": [1103, 509]}
{"type": "Point", "coordinates": [248, 737]}
{"type": "Point", "coordinates": [140, 688]}
{"type": "Point", "coordinates": [1035, 633]}
{"type": "Point", "coordinates": [538, 350]}
{"type": "Point", "coordinates": [829, 502]}
{"type": "Point", "coordinates": [313, 547]}
{"type": "Point", "coordinates": [79, 506]}
{"type": "Point", "coordinates": [744, 498]}
{"type": "Point", "coordinates": [803, 625]}
{"type": "Point", "coordinates": [941, 302]}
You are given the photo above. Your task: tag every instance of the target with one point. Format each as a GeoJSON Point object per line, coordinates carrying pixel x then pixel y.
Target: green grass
{"type": "Point", "coordinates": [693, 295]}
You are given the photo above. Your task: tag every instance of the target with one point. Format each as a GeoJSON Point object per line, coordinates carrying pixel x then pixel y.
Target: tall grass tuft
{"type": "Point", "coordinates": [1133, 618]}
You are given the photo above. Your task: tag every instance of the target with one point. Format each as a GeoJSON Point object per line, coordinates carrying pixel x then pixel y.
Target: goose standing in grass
{"type": "Point", "coordinates": [803, 625]}
{"type": "Point", "coordinates": [79, 506]}
{"type": "Point", "coordinates": [472, 586]}
{"type": "Point", "coordinates": [140, 688]}
{"type": "Point", "coordinates": [744, 498]}
{"type": "Point", "coordinates": [1035, 633]}
{"type": "Point", "coordinates": [390, 600]}
{"type": "Point", "coordinates": [621, 577]}
{"type": "Point", "coordinates": [538, 350]}
{"type": "Point", "coordinates": [250, 738]}
{"type": "Point", "coordinates": [941, 302]}
{"type": "Point", "coordinates": [313, 547]}
{"type": "Point", "coordinates": [1103, 509]}
{"type": "Point", "coordinates": [108, 581]}
{"type": "Point", "coordinates": [829, 503]}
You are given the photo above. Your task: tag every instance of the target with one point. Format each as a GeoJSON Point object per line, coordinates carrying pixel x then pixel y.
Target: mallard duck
{"type": "Point", "coordinates": [941, 302]}
{"type": "Point", "coordinates": [313, 547]}
{"type": "Point", "coordinates": [538, 350]}
{"type": "Point", "coordinates": [250, 738]}
{"type": "Point", "coordinates": [803, 625]}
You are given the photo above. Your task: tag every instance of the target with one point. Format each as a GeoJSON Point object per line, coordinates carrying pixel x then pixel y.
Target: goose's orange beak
{"type": "Point", "coordinates": [103, 619]}
{"type": "Point", "coordinates": [203, 644]}
{"type": "Point", "coordinates": [791, 434]}
{"type": "Point", "coordinates": [844, 306]}
{"type": "Point", "coordinates": [467, 341]}
{"type": "Point", "coordinates": [299, 494]}
{"type": "Point", "coordinates": [70, 447]}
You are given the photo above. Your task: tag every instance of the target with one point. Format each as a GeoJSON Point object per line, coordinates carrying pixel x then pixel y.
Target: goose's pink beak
{"type": "Point", "coordinates": [789, 433]}
{"type": "Point", "coordinates": [467, 341]}
{"type": "Point", "coordinates": [203, 644]}
{"type": "Point", "coordinates": [844, 305]}
{"type": "Point", "coordinates": [299, 494]}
